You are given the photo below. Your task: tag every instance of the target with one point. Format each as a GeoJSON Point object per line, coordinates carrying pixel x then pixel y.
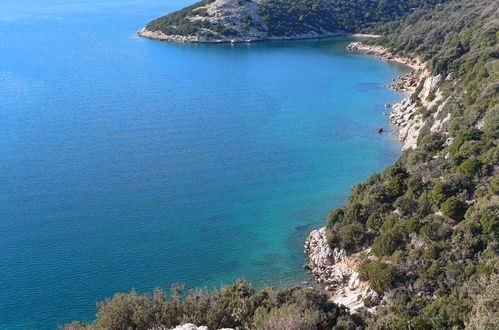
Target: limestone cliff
{"type": "Point", "coordinates": [337, 271]}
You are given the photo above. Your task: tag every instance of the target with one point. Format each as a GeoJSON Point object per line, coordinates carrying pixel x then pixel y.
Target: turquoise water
{"type": "Point", "coordinates": [128, 163]}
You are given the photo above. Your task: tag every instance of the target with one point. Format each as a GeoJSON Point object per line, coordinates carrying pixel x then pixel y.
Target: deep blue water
{"type": "Point", "coordinates": [128, 163]}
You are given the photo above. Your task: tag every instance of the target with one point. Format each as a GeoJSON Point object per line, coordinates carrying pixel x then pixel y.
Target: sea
{"type": "Point", "coordinates": [127, 163]}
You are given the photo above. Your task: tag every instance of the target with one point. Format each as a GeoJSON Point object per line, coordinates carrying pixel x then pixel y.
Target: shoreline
{"type": "Point", "coordinates": [336, 270]}
{"type": "Point", "coordinates": [160, 36]}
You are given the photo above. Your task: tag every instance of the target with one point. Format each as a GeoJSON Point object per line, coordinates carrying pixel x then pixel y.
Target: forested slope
{"type": "Point", "coordinates": [431, 219]}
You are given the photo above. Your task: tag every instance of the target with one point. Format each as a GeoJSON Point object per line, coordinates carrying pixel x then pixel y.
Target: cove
{"type": "Point", "coordinates": [128, 163]}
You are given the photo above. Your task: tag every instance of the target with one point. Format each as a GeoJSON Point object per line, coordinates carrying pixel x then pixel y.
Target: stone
{"type": "Point", "coordinates": [337, 271]}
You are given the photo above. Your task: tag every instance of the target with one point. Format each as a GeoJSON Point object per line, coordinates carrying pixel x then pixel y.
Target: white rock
{"type": "Point", "coordinates": [337, 270]}
{"type": "Point", "coordinates": [190, 326]}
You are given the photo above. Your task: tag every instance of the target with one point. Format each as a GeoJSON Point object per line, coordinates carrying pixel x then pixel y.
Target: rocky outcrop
{"type": "Point", "coordinates": [408, 121]}
{"type": "Point", "coordinates": [406, 115]}
{"type": "Point", "coordinates": [189, 326]}
{"type": "Point", "coordinates": [337, 271]}
{"type": "Point", "coordinates": [406, 83]}
{"type": "Point", "coordinates": [160, 36]}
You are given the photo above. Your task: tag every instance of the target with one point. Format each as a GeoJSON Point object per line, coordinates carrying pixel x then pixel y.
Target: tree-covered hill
{"type": "Point", "coordinates": [242, 20]}
{"type": "Point", "coordinates": [431, 220]}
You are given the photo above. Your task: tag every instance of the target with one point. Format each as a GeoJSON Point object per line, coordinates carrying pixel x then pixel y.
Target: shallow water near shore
{"type": "Point", "coordinates": [129, 163]}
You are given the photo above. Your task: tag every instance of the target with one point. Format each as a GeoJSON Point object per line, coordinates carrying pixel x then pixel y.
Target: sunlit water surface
{"type": "Point", "coordinates": [128, 163]}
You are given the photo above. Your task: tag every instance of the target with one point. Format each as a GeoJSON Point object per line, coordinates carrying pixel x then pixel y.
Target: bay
{"type": "Point", "coordinates": [129, 163]}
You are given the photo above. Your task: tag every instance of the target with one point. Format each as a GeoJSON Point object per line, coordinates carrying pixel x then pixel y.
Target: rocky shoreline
{"type": "Point", "coordinates": [405, 115]}
{"type": "Point", "coordinates": [160, 36]}
{"type": "Point", "coordinates": [335, 269]}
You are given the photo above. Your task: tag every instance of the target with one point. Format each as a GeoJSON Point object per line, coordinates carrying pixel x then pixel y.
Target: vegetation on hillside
{"type": "Point", "coordinates": [235, 306]}
{"type": "Point", "coordinates": [287, 18]}
{"type": "Point", "coordinates": [431, 219]}
{"type": "Point", "coordinates": [291, 17]}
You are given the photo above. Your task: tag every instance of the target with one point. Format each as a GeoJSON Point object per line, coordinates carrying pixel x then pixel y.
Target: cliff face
{"type": "Point", "coordinates": [406, 115]}
{"type": "Point", "coordinates": [337, 271]}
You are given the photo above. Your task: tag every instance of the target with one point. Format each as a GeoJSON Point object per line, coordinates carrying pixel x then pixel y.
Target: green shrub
{"type": "Point", "coordinates": [433, 251]}
{"type": "Point", "coordinates": [415, 185]}
{"type": "Point", "coordinates": [381, 276]}
{"type": "Point", "coordinates": [397, 186]}
{"type": "Point", "coordinates": [387, 243]}
{"type": "Point", "coordinates": [352, 235]}
{"type": "Point", "coordinates": [374, 222]}
{"type": "Point", "coordinates": [472, 134]}
{"type": "Point", "coordinates": [413, 225]}
{"type": "Point", "coordinates": [432, 142]}
{"type": "Point", "coordinates": [435, 230]}
{"type": "Point", "coordinates": [286, 317]}
{"type": "Point", "coordinates": [469, 167]}
{"type": "Point", "coordinates": [390, 222]}
{"type": "Point", "coordinates": [454, 208]}
{"type": "Point", "coordinates": [494, 184]}
{"type": "Point", "coordinates": [490, 223]}
{"type": "Point", "coordinates": [355, 213]}
{"type": "Point", "coordinates": [406, 205]}
{"type": "Point", "coordinates": [334, 217]}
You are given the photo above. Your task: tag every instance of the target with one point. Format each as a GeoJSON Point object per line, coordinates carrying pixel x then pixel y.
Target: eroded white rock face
{"type": "Point", "coordinates": [409, 123]}
{"type": "Point", "coordinates": [189, 326]}
{"type": "Point", "coordinates": [406, 118]}
{"type": "Point", "coordinates": [337, 271]}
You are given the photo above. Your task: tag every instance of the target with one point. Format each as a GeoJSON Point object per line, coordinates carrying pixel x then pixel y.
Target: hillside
{"type": "Point", "coordinates": [418, 242]}
{"type": "Point", "coordinates": [428, 226]}
{"type": "Point", "coordinates": [245, 20]}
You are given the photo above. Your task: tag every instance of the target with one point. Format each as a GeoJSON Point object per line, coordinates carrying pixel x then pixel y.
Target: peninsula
{"type": "Point", "coordinates": [258, 20]}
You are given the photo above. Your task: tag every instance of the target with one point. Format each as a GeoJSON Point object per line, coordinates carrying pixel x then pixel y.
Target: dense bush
{"type": "Point", "coordinates": [234, 306]}
{"type": "Point", "coordinates": [387, 243]}
{"type": "Point", "coordinates": [380, 276]}
{"type": "Point", "coordinates": [454, 208]}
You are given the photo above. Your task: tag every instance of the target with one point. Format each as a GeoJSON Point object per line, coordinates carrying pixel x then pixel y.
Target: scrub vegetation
{"type": "Point", "coordinates": [285, 18]}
